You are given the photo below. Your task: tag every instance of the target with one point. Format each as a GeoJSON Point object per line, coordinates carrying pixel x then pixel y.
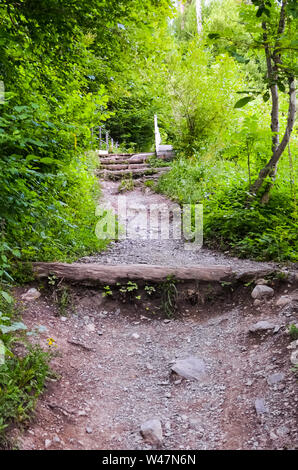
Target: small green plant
{"type": "Point", "coordinates": [293, 331]}
{"type": "Point", "coordinates": [169, 296]}
{"type": "Point", "coordinates": [126, 184]}
{"type": "Point", "coordinates": [107, 291]}
{"type": "Point", "coordinates": [64, 300]}
{"type": "Point", "coordinates": [52, 279]}
{"type": "Point", "coordinates": [127, 292]}
{"type": "Point", "coordinates": [149, 290]}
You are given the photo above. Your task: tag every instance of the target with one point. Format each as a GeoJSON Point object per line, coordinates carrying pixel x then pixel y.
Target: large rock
{"type": "Point", "coordinates": [151, 431]}
{"type": "Point", "coordinates": [190, 368]}
{"type": "Point", "coordinates": [261, 326]}
{"type": "Point", "coordinates": [30, 295]}
{"type": "Point", "coordinates": [261, 291]}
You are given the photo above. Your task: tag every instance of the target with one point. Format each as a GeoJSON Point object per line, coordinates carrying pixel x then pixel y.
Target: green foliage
{"type": "Point", "coordinates": [293, 331]}
{"type": "Point", "coordinates": [126, 184]}
{"type": "Point", "coordinates": [107, 291]}
{"type": "Point", "coordinates": [22, 380]}
{"type": "Point", "coordinates": [169, 296]}
{"type": "Point", "coordinates": [22, 376]}
{"type": "Point", "coordinates": [128, 291]}
{"type": "Point", "coordinates": [249, 230]}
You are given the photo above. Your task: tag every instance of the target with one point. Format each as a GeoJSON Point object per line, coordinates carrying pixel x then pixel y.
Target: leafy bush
{"type": "Point", "coordinates": [22, 380]}
{"type": "Point", "coordinates": [22, 376]}
{"type": "Point", "coordinates": [249, 229]}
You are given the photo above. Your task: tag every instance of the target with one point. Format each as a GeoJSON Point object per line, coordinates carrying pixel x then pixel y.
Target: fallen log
{"type": "Point", "coordinates": [110, 274]}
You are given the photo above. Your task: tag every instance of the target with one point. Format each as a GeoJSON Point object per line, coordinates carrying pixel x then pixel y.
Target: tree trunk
{"type": "Point", "coordinates": [270, 168]}
{"type": "Point", "coordinates": [273, 61]}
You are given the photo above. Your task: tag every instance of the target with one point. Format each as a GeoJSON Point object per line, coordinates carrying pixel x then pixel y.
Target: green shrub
{"type": "Point", "coordinates": [267, 232]}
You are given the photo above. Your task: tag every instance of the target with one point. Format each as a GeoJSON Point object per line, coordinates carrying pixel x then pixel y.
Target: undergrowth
{"type": "Point", "coordinates": [23, 371]}
{"type": "Point", "coordinates": [262, 232]}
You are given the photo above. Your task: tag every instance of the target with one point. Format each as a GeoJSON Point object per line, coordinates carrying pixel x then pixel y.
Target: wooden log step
{"type": "Point", "coordinates": [121, 161]}
{"type": "Point", "coordinates": [110, 274]}
{"type": "Point", "coordinates": [124, 166]}
{"type": "Point", "coordinates": [110, 155]}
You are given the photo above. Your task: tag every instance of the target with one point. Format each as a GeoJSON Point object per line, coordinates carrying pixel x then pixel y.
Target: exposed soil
{"type": "Point", "coordinates": [115, 358]}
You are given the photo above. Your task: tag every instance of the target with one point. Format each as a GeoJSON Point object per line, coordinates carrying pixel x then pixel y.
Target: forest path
{"type": "Point", "coordinates": [115, 359]}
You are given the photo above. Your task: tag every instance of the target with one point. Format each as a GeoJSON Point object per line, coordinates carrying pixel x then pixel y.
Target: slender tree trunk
{"type": "Point", "coordinates": [268, 170]}
{"type": "Point", "coordinates": [273, 60]}
{"type": "Point", "coordinates": [199, 16]}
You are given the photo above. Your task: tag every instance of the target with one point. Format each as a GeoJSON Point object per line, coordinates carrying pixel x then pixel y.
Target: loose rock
{"type": "Point", "coordinates": [275, 378]}
{"type": "Point", "coordinates": [260, 406]}
{"type": "Point", "coordinates": [190, 368]}
{"type": "Point", "coordinates": [151, 431]}
{"type": "Point", "coordinates": [261, 326]}
{"type": "Point", "coordinates": [261, 292]}
{"type": "Point", "coordinates": [47, 443]}
{"type": "Point", "coordinates": [135, 335]}
{"type": "Point", "coordinates": [30, 295]}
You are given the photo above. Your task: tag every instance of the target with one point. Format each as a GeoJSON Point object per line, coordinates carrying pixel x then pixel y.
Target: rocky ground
{"type": "Point", "coordinates": [211, 377]}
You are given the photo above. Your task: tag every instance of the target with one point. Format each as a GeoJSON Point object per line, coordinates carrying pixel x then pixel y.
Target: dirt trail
{"type": "Point", "coordinates": [115, 363]}
{"type": "Point", "coordinates": [147, 250]}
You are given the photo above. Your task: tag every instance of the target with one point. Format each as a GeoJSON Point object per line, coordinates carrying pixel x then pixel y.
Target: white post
{"type": "Point", "coordinates": [157, 134]}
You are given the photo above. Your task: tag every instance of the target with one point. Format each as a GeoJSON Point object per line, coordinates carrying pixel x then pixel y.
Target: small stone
{"type": "Point", "coordinates": [89, 430]}
{"type": "Point", "coordinates": [151, 431]}
{"type": "Point", "coordinates": [262, 282]}
{"type": "Point", "coordinates": [282, 431]}
{"type": "Point", "coordinates": [47, 443]}
{"type": "Point", "coordinates": [90, 327]}
{"type": "Point", "coordinates": [260, 406]}
{"type": "Point", "coordinates": [135, 336]}
{"type": "Point", "coordinates": [261, 326]}
{"type": "Point", "coordinates": [30, 295]}
{"type": "Point", "coordinates": [293, 345]}
{"type": "Point", "coordinates": [257, 302]}
{"type": "Point", "coordinates": [56, 439]}
{"type": "Point", "coordinates": [63, 318]}
{"type": "Point", "coordinates": [275, 378]}
{"type": "Point", "coordinates": [261, 291]}
{"type": "Point", "coordinates": [167, 321]}
{"type": "Point", "coordinates": [283, 300]}
{"type": "Point", "coordinates": [294, 358]}
{"type": "Point", "coordinates": [190, 368]}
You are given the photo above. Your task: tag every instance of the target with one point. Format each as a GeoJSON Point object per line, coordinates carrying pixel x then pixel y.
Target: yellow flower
{"type": "Point", "coordinates": [51, 342]}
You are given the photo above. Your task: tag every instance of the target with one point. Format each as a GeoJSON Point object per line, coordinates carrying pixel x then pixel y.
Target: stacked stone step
{"type": "Point", "coordinates": [115, 167]}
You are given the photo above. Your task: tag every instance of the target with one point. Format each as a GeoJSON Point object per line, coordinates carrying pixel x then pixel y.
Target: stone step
{"type": "Point", "coordinates": [134, 173]}
{"type": "Point", "coordinates": [131, 166]}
